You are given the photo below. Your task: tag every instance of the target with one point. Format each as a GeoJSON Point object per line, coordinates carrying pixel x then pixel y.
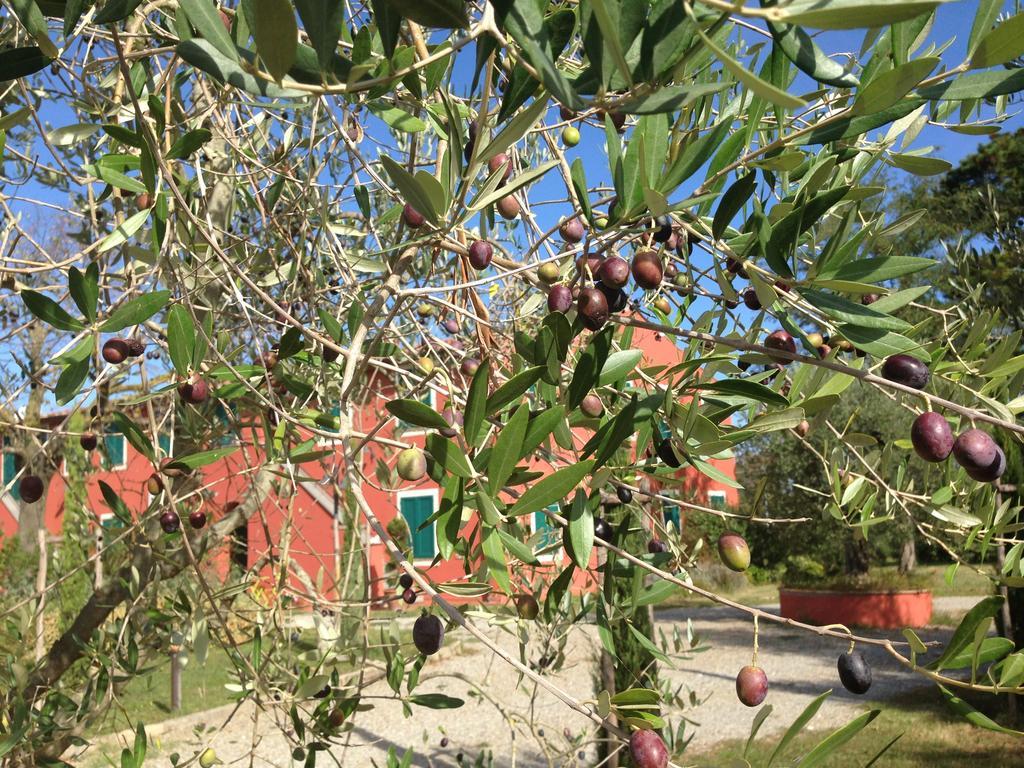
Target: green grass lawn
{"type": "Point", "coordinates": [932, 737]}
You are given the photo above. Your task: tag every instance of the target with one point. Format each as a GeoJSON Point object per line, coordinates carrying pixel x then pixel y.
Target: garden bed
{"type": "Point", "coordinates": [891, 609]}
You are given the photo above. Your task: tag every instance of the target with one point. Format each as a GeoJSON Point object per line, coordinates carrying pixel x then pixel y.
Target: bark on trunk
{"type": "Point", "coordinates": [908, 556]}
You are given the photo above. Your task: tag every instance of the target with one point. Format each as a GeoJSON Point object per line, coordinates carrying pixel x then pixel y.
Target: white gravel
{"type": "Point", "coordinates": [799, 666]}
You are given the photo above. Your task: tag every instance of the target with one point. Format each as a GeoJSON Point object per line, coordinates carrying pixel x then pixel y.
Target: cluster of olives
{"type": "Point", "coordinates": [115, 351]}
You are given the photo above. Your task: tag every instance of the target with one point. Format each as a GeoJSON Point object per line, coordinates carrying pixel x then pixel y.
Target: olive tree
{"type": "Point", "coordinates": [293, 204]}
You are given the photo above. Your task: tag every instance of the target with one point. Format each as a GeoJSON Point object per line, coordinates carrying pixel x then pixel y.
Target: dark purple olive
{"type": "Point", "coordinates": [195, 391]}
{"type": "Point", "coordinates": [656, 546]}
{"type": "Point", "coordinates": [451, 325]}
{"type": "Point", "coordinates": [572, 230]}
{"type": "Point", "coordinates": [932, 437]}
{"type": "Point", "coordinates": [979, 455]}
{"type": "Point", "coordinates": [869, 298]}
{"type": "Point", "coordinates": [602, 529]}
{"type": "Point", "coordinates": [197, 519]}
{"type": "Point", "coordinates": [617, 298]}
{"type": "Point", "coordinates": [662, 229]}
{"type": "Point", "coordinates": [428, 634]}
{"type": "Point", "coordinates": [405, 581]}
{"type": "Point", "coordinates": [88, 441]}
{"type": "Point", "coordinates": [170, 522]}
{"type": "Point", "coordinates": [667, 454]}
{"type": "Point", "coordinates": [782, 341]}
{"type": "Point", "coordinates": [750, 299]}
{"type": "Point", "coordinates": [115, 351]}
{"type": "Point", "coordinates": [409, 596]}
{"type": "Point", "coordinates": [136, 347]}
{"type": "Point", "coordinates": [906, 370]}
{"type": "Point", "coordinates": [500, 160]}
{"type": "Point", "coordinates": [751, 685]}
{"type": "Point", "coordinates": [31, 489]}
{"type": "Point", "coordinates": [647, 270]}
{"type": "Point", "coordinates": [413, 219]}
{"type": "Point", "coordinates": [614, 272]}
{"type": "Point", "coordinates": [647, 750]}
{"type": "Point", "coordinates": [624, 495]}
{"type": "Point", "coordinates": [559, 298]}
{"type": "Point", "coordinates": [735, 267]}
{"type": "Point", "coordinates": [854, 672]}
{"type": "Point", "coordinates": [592, 308]}
{"type": "Point", "coordinates": [480, 254]}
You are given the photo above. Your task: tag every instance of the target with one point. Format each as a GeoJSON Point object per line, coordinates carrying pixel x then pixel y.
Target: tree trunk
{"type": "Point", "coordinates": [25, 443]}
{"type": "Point", "coordinates": [908, 556]}
{"type": "Point", "coordinates": [856, 556]}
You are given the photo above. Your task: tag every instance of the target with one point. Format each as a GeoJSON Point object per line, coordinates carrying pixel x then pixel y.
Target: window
{"type": "Point", "coordinates": [671, 514]}
{"type": "Point", "coordinates": [225, 418]}
{"type": "Point", "coordinates": [10, 469]}
{"type": "Point", "coordinates": [716, 499]}
{"type": "Point", "coordinates": [416, 509]}
{"type": "Point", "coordinates": [114, 450]}
{"type": "Point", "coordinates": [164, 441]}
{"type": "Point", "coordinates": [549, 534]}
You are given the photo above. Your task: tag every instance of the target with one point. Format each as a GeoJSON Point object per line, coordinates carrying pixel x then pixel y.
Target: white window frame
{"type": "Point", "coordinates": [431, 404]}
{"type": "Point", "coordinates": [554, 557]}
{"type": "Point", "coordinates": [718, 494]}
{"type": "Point", "coordinates": [434, 494]}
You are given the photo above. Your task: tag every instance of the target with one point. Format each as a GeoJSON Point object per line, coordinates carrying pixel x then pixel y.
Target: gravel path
{"type": "Point", "coordinates": [799, 666]}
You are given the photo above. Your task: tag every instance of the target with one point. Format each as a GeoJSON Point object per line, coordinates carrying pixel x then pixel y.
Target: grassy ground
{"type": "Point", "coordinates": [932, 737]}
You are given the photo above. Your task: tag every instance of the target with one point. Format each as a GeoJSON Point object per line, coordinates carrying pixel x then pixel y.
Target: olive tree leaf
{"type": "Point", "coordinates": [202, 54]}
{"type": "Point", "coordinates": [552, 488]}
{"type": "Point", "coordinates": [49, 311]}
{"type": "Point", "coordinates": [850, 14]}
{"type": "Point", "coordinates": [1002, 44]}
{"type": "Point", "coordinates": [964, 635]}
{"type": "Point", "coordinates": [837, 738]}
{"type": "Point", "coordinates": [206, 19]}
{"type": "Point", "coordinates": [21, 62]}
{"type": "Point", "coordinates": [276, 35]}
{"type": "Point", "coordinates": [581, 530]}
{"type": "Point", "coordinates": [181, 339]}
{"type": "Point", "coordinates": [890, 87]}
{"type": "Point", "coordinates": [136, 311]}
{"type": "Point", "coordinates": [443, 14]}
{"type": "Point", "coordinates": [416, 413]}
{"type": "Point", "coordinates": [322, 20]}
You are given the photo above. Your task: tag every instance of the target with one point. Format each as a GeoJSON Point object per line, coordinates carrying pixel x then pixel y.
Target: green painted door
{"type": "Point", "coordinates": [416, 509]}
{"type": "Point", "coordinates": [9, 471]}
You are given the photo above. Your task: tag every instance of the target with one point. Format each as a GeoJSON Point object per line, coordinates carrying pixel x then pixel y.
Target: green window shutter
{"type": "Point", "coordinates": [716, 500]}
{"type": "Point", "coordinates": [416, 509]}
{"type": "Point", "coordinates": [113, 449]}
{"type": "Point", "coordinates": [542, 525]}
{"type": "Point", "coordinates": [671, 513]}
{"type": "Point", "coordinates": [164, 441]}
{"type": "Point", "coordinates": [404, 426]}
{"type": "Point", "coordinates": [10, 470]}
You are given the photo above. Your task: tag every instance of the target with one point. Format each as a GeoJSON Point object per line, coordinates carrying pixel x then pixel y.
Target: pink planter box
{"type": "Point", "coordinates": [881, 610]}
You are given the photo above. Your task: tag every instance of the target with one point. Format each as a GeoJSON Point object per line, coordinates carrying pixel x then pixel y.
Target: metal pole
{"type": "Point", "coordinates": [41, 591]}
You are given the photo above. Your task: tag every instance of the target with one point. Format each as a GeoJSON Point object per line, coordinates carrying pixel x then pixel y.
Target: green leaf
{"type": "Point", "coordinates": [799, 47]}
{"type": "Point", "coordinates": [125, 230]}
{"type": "Point", "coordinates": [878, 269]}
{"type": "Point", "coordinates": [517, 549]}
{"type": "Point", "coordinates": [411, 189]}
{"type": "Point", "coordinates": [476, 403]}
{"type": "Point", "coordinates": [205, 17]}
{"type": "Point", "coordinates": [116, 10]}
{"type": "Point", "coordinates": [618, 365]}
{"type": "Point", "coordinates": [855, 126]}
{"type": "Point", "coordinates": [760, 87]}
{"type": "Point", "coordinates": [669, 98]}
{"type": "Point", "coordinates": [645, 641]}
{"type": "Point", "coordinates": [1012, 672]}
{"type": "Point", "coordinates": [73, 10]}
{"type": "Point", "coordinates": [49, 311]}
{"type": "Point", "coordinates": [506, 449]}
{"type": "Point", "coordinates": [984, 611]}
{"type": "Point", "coordinates": [322, 20]}
{"type": "Point", "coordinates": [973, 716]}
{"type": "Point", "coordinates": [658, 592]}
{"type": "Point", "coordinates": [878, 342]}
{"type": "Point", "coordinates": [551, 489]}
{"type": "Point", "coordinates": [442, 14]}
{"type": "Point", "coordinates": [513, 389]}
{"type": "Point", "coordinates": [607, 17]}
{"type": "Point", "coordinates": [35, 24]}
{"type": "Point", "coordinates": [203, 55]}
{"type": "Point", "coordinates": [136, 311]}
{"type": "Point", "coordinates": [515, 129]}
{"type": "Point", "coordinates": [436, 701]}
{"type": "Point", "coordinates": [856, 313]}
{"type": "Point", "coordinates": [519, 181]}
{"type": "Point", "coordinates": [990, 649]}
{"type": "Point", "coordinates": [837, 738]}
{"type": "Point", "coordinates": [733, 200]}
{"type": "Point", "coordinates": [540, 428]}
{"type": "Point", "coordinates": [920, 166]}
{"type": "Point", "coordinates": [389, 24]}
{"type": "Point", "coordinates": [524, 21]}
{"type": "Point", "coordinates": [201, 459]}
{"type": "Point", "coordinates": [494, 556]}
{"type": "Point", "coordinates": [850, 14]}
{"type": "Point", "coordinates": [181, 339]}
{"type": "Point", "coordinates": [980, 85]}
{"type": "Point", "coordinates": [745, 388]}
{"type": "Point", "coordinates": [21, 62]}
{"type": "Point", "coordinates": [398, 119]}
{"type": "Point", "coordinates": [276, 35]}
{"type": "Point", "coordinates": [890, 87]}
{"type": "Point", "coordinates": [138, 439]}
{"type": "Point", "coordinates": [449, 455]}
{"type": "Point", "coordinates": [464, 588]}
{"type": "Point", "coordinates": [69, 383]}
{"type": "Point", "coordinates": [581, 530]}
{"type": "Point", "coordinates": [189, 143]}
{"type": "Point", "coordinates": [417, 413]}
{"type": "Point", "coordinates": [1002, 44]}
{"type": "Point", "coordinates": [798, 725]}
{"type": "Point", "coordinates": [579, 184]}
